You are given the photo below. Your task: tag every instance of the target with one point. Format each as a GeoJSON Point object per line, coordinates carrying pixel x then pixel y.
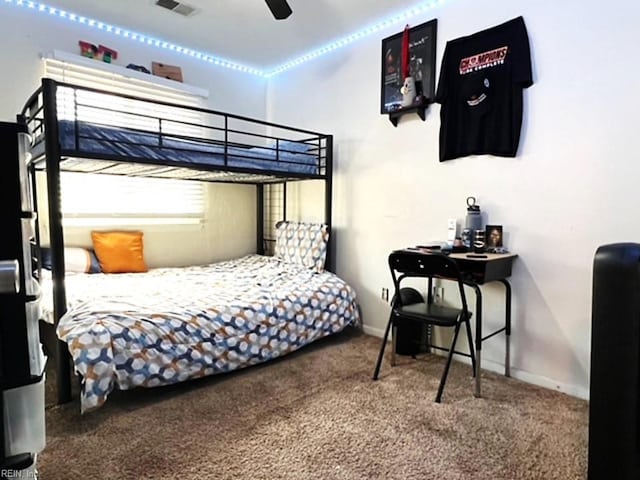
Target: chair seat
{"type": "Point", "coordinates": [435, 314]}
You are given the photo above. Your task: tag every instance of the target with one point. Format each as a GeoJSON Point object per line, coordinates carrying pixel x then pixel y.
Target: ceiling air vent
{"type": "Point", "coordinates": [177, 7]}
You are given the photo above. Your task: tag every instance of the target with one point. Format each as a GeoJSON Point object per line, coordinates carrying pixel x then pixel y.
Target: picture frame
{"type": "Point", "coordinates": [422, 66]}
{"type": "Point", "coordinates": [493, 236]}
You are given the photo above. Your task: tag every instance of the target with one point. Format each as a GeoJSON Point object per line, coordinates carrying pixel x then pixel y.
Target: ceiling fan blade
{"type": "Point", "coordinates": [279, 8]}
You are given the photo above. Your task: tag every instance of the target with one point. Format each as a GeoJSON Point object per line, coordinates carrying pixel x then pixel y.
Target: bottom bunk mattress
{"type": "Point", "coordinates": [173, 324]}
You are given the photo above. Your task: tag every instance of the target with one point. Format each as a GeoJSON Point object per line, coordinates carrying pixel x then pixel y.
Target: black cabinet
{"type": "Point", "coordinates": [614, 403]}
{"type": "Point", "coordinates": [22, 361]}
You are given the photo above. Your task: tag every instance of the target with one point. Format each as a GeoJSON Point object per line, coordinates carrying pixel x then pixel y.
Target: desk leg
{"type": "Point", "coordinates": [507, 328]}
{"type": "Point", "coordinates": [478, 346]}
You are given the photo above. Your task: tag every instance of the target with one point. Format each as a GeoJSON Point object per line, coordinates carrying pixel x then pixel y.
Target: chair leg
{"type": "Point", "coordinates": [384, 343]}
{"type": "Point", "coordinates": [471, 347]}
{"type": "Point", "coordinates": [443, 380]}
{"type": "Point", "coordinates": [394, 339]}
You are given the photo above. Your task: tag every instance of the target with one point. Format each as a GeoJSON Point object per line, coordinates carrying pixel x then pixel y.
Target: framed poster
{"type": "Point", "coordinates": [422, 66]}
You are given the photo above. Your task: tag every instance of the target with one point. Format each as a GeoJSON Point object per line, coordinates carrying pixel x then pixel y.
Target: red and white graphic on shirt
{"type": "Point", "coordinates": [483, 60]}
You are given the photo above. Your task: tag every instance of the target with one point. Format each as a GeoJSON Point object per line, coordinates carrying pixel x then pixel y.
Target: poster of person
{"type": "Point", "coordinates": [422, 66]}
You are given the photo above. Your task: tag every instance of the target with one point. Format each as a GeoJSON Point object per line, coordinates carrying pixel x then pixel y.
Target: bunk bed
{"type": "Point", "coordinates": [232, 314]}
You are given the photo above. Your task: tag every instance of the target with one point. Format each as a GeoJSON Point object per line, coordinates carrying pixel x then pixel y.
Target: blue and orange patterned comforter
{"type": "Point", "coordinates": [175, 324]}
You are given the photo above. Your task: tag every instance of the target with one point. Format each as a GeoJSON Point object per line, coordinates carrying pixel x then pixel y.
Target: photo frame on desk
{"type": "Point", "coordinates": [422, 66]}
{"type": "Point", "coordinates": [493, 236]}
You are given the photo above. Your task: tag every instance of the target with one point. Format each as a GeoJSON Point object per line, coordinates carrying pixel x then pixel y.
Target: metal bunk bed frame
{"type": "Point", "coordinates": [40, 115]}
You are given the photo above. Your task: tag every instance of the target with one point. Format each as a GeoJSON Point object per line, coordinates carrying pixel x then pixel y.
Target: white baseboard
{"type": "Point", "coordinates": [522, 375]}
{"type": "Point", "coordinates": [374, 332]}
{"type": "Point", "coordinates": [539, 380]}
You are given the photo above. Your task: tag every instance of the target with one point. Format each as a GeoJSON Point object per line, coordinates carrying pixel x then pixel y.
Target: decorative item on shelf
{"type": "Point", "coordinates": [408, 92]}
{"type": "Point", "coordinates": [167, 71]}
{"type": "Point", "coordinates": [100, 52]}
{"type": "Point", "coordinates": [106, 54]}
{"type": "Point", "coordinates": [408, 89]}
{"type": "Point", "coordinates": [408, 71]}
{"type": "Point", "coordinates": [138, 68]}
{"type": "Point", "coordinates": [87, 49]}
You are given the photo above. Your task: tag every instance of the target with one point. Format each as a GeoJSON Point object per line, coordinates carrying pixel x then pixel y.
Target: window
{"type": "Point", "coordinates": [103, 200]}
{"type": "Point", "coordinates": [91, 199]}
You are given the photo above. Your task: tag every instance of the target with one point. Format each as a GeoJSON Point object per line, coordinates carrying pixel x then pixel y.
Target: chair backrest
{"type": "Point", "coordinates": [407, 264]}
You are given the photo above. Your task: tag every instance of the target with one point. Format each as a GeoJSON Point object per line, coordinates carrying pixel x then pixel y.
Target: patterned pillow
{"type": "Point", "coordinates": [302, 243]}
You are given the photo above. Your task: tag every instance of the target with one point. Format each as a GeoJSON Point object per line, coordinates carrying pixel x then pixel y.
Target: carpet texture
{"type": "Point", "coordinates": [316, 414]}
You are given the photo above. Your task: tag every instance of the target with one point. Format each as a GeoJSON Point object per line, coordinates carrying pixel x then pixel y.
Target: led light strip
{"type": "Point", "coordinates": [214, 60]}
{"type": "Point", "coordinates": [134, 36]}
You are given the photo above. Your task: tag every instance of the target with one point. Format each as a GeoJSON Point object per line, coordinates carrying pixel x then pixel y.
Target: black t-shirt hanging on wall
{"type": "Point", "coordinates": [480, 91]}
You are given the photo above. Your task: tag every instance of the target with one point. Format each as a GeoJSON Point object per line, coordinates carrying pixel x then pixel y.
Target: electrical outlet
{"type": "Point", "coordinates": [438, 295]}
{"type": "Point", "coordinates": [385, 294]}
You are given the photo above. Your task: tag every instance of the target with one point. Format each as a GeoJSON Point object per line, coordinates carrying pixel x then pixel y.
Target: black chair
{"type": "Point", "coordinates": [409, 264]}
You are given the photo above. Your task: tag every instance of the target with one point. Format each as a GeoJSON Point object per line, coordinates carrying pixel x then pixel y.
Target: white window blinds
{"type": "Point", "coordinates": [120, 111]}
{"type": "Point", "coordinates": [93, 199]}
{"type": "Point", "coordinates": [77, 70]}
{"type": "Point", "coordinates": [109, 199]}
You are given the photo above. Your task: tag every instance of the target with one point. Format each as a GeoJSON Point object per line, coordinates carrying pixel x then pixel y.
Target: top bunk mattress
{"type": "Point", "coordinates": [87, 139]}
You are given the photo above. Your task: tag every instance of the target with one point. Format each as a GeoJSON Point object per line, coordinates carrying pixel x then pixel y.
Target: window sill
{"type": "Point", "coordinates": [130, 222]}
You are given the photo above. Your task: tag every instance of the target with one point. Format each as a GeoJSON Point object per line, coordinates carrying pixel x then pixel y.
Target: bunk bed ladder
{"type": "Point", "coordinates": [56, 235]}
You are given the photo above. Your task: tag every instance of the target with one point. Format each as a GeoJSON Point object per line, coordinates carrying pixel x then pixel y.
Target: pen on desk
{"type": "Point", "coordinates": [472, 255]}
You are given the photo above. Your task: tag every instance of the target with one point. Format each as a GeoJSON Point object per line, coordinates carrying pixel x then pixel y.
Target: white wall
{"type": "Point", "coordinates": [230, 227]}
{"type": "Point", "coordinates": [572, 187]}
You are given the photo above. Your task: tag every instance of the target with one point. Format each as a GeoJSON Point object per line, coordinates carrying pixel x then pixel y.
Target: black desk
{"type": "Point", "coordinates": [492, 267]}
{"type": "Point", "coordinates": [496, 267]}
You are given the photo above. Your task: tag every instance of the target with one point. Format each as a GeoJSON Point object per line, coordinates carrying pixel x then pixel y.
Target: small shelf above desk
{"type": "Point", "coordinates": [394, 117]}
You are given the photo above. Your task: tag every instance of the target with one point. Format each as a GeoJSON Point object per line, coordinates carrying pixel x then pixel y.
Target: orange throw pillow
{"type": "Point", "coordinates": [119, 252]}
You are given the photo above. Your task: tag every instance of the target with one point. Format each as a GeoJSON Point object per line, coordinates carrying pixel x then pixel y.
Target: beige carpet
{"type": "Point", "coordinates": [317, 414]}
